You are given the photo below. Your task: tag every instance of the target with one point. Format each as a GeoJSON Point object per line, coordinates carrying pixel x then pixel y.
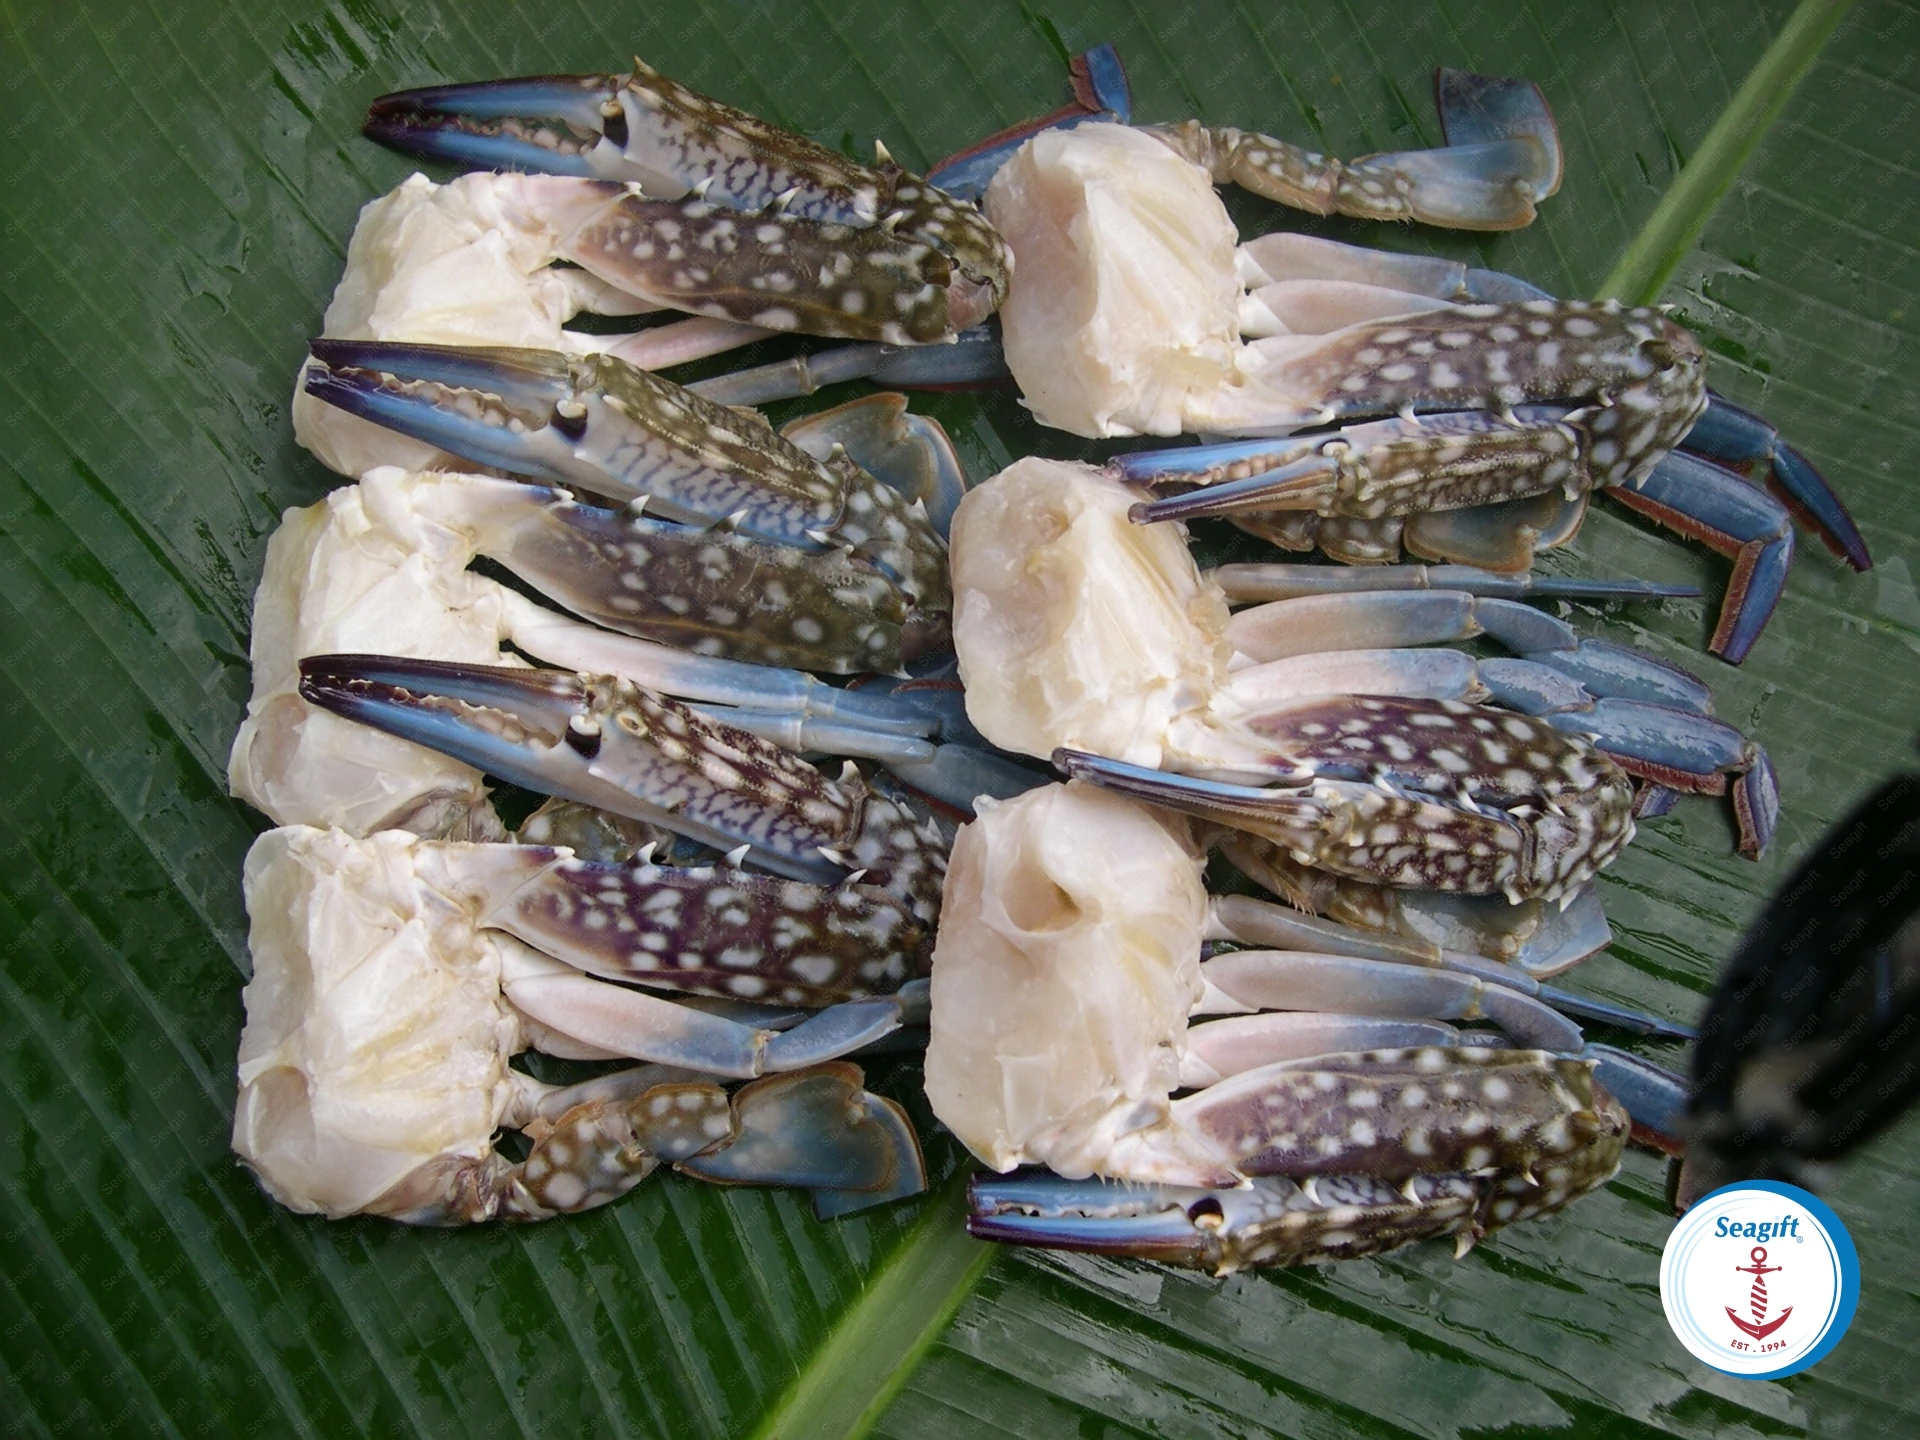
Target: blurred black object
{"type": "Point", "coordinates": [1811, 1041]}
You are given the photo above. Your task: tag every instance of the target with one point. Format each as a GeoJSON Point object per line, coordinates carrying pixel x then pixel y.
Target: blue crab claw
{"type": "Point", "coordinates": [486, 125]}
{"type": "Point", "coordinates": [1522, 1133]}
{"type": "Point", "coordinates": [605, 742]}
{"type": "Point", "coordinates": [1272, 1221]}
{"type": "Point", "coordinates": [616, 430]}
{"type": "Point", "coordinates": [675, 142]}
{"type": "Point", "coordinates": [1419, 811]}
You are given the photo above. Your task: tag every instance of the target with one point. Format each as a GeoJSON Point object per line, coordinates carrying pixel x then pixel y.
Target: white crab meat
{"type": "Point", "coordinates": [1067, 961]}
{"type": "Point", "coordinates": [1076, 627]}
{"type": "Point", "coordinates": [370, 569]}
{"type": "Point", "coordinates": [377, 1038]}
{"type": "Point", "coordinates": [464, 263]}
{"type": "Point", "coordinates": [1122, 317]}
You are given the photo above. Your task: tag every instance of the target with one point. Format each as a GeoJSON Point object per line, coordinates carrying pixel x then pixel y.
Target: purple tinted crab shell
{"type": "Point", "coordinates": [1076, 627]}
{"type": "Point", "coordinates": [1122, 317]}
{"type": "Point", "coordinates": [1067, 960]}
{"type": "Point", "coordinates": [376, 1041]}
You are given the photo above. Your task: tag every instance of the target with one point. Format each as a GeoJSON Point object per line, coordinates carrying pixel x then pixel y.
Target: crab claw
{"type": "Point", "coordinates": [594, 422]}
{"type": "Point", "coordinates": [603, 742]}
{"type": "Point", "coordinates": [1341, 1164]}
{"type": "Point", "coordinates": [511, 419]}
{"type": "Point", "coordinates": [616, 430]}
{"type": "Point", "coordinates": [1272, 1221]}
{"type": "Point", "coordinates": [498, 125]}
{"type": "Point", "coordinates": [674, 142]}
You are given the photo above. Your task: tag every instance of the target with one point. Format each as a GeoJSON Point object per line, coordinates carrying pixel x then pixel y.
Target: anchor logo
{"type": "Point", "coordinates": [1759, 1327]}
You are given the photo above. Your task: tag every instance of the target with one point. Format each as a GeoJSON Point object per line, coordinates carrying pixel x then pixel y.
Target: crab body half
{"type": "Point", "coordinates": [1066, 969]}
{"type": "Point", "coordinates": [385, 1003]}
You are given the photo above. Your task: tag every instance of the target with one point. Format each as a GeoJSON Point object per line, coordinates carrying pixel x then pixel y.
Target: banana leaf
{"type": "Point", "coordinates": [176, 189]}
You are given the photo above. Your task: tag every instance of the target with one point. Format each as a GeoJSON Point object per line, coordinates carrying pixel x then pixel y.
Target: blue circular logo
{"type": "Point", "coordinates": [1759, 1279]}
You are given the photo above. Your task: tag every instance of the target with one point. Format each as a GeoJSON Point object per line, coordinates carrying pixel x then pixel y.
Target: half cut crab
{"type": "Point", "coordinates": [1067, 968]}
{"type": "Point", "coordinates": [374, 1075]}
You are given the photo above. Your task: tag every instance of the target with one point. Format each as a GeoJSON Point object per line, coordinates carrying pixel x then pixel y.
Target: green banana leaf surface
{"type": "Point", "coordinates": [177, 185]}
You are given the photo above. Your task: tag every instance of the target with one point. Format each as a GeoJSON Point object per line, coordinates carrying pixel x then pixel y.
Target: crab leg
{"type": "Point", "coordinates": [1711, 504]}
{"type": "Point", "coordinates": [1650, 716]}
{"type": "Point", "coordinates": [631, 1023]}
{"type": "Point", "coordinates": [974, 361]}
{"type": "Point", "coordinates": [1249, 980]}
{"type": "Point", "coordinates": [1465, 932]}
{"type": "Point", "coordinates": [1280, 580]}
{"type": "Point", "coordinates": [816, 1128]}
{"type": "Point", "coordinates": [909, 452]}
{"type": "Point", "coordinates": [594, 1142]}
{"type": "Point", "coordinates": [813, 714]}
{"type": "Point", "coordinates": [1100, 92]}
{"type": "Point", "coordinates": [1738, 437]}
